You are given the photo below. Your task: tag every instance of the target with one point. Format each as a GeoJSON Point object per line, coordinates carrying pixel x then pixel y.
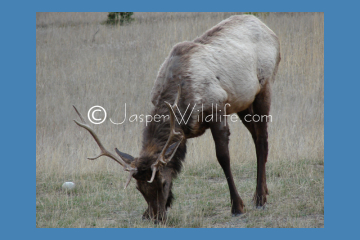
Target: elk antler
{"type": "Point", "coordinates": [173, 133]}
{"type": "Point", "coordinates": [103, 151]}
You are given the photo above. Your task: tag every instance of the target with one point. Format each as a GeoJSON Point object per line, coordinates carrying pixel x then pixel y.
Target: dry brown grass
{"type": "Point", "coordinates": [120, 67]}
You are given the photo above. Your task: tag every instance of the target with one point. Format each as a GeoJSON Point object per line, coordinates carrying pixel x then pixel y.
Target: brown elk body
{"type": "Point", "coordinates": [229, 69]}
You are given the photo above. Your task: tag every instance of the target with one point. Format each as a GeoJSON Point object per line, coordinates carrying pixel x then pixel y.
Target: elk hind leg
{"type": "Point", "coordinates": [255, 120]}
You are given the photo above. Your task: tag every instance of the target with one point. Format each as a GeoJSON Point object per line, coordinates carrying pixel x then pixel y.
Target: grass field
{"type": "Point", "coordinates": [118, 65]}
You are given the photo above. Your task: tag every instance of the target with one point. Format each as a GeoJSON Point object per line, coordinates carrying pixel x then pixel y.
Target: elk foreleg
{"type": "Point", "coordinates": [220, 132]}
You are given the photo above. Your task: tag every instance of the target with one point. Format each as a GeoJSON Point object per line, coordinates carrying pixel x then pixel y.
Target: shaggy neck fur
{"type": "Point", "coordinates": [155, 136]}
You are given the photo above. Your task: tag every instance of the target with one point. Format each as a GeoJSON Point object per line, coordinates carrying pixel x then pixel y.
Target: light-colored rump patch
{"type": "Point", "coordinates": [235, 62]}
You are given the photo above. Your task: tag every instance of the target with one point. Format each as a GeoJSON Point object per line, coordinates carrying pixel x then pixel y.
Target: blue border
{"type": "Point", "coordinates": [18, 43]}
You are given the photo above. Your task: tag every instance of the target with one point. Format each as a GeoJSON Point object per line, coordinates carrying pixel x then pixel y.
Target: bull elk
{"type": "Point", "coordinates": [232, 66]}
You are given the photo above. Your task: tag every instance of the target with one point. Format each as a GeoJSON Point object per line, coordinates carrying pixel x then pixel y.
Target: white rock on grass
{"type": "Point", "coordinates": [68, 185]}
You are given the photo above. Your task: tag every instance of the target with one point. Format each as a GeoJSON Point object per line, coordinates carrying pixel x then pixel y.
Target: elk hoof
{"type": "Point", "coordinates": [237, 212]}
{"type": "Point", "coordinates": [260, 201]}
{"type": "Point", "coordinates": [156, 222]}
{"type": "Point", "coordinates": [146, 215]}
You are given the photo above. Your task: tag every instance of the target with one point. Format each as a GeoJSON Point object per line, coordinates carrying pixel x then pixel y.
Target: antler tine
{"type": "Point", "coordinates": [78, 113]}
{"type": "Point", "coordinates": [178, 96]}
{"type": "Point", "coordinates": [172, 134]}
{"type": "Point", "coordinates": [132, 172]}
{"type": "Point", "coordinates": [103, 151]}
{"type": "Point", "coordinates": [154, 169]}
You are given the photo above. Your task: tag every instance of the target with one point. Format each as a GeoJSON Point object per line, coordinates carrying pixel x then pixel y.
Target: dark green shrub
{"type": "Point", "coordinates": [121, 18]}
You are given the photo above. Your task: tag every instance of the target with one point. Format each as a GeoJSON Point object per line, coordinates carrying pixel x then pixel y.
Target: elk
{"type": "Point", "coordinates": [232, 66]}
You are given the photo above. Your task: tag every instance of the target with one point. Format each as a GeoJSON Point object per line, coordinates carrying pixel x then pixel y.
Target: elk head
{"type": "Point", "coordinates": [153, 177]}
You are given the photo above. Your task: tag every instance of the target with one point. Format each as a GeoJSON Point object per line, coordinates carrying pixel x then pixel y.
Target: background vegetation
{"type": "Point", "coordinates": [119, 18]}
{"type": "Point", "coordinates": [83, 63]}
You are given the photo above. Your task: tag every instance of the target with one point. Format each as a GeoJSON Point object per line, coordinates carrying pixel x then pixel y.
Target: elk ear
{"type": "Point", "coordinates": [173, 147]}
{"type": "Point", "coordinates": [126, 157]}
